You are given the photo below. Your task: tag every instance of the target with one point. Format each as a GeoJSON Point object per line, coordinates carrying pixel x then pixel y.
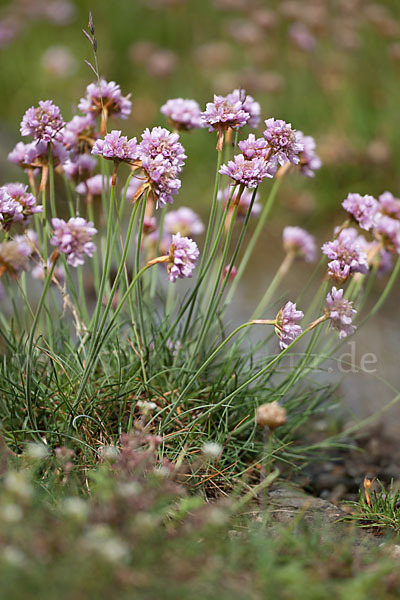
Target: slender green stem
{"type": "Point", "coordinates": [273, 286]}
{"type": "Point", "coordinates": [210, 227]}
{"type": "Point", "coordinates": [51, 183]}
{"type": "Point", "coordinates": [254, 238]}
{"type": "Point", "coordinates": [28, 381]}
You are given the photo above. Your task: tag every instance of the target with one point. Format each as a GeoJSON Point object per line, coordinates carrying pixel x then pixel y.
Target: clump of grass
{"type": "Point", "coordinates": [378, 509]}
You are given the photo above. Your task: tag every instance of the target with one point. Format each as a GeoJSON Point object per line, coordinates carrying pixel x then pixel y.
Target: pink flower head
{"type": "Point", "coordinates": [300, 242]}
{"type": "Point", "coordinates": [162, 157]}
{"type": "Point", "coordinates": [58, 272]}
{"type": "Point", "coordinates": [15, 254]}
{"type": "Point", "coordinates": [389, 205]}
{"type": "Point", "coordinates": [346, 256]}
{"type": "Point", "coordinates": [10, 210]}
{"type": "Point", "coordinates": [116, 147]}
{"type": "Point", "coordinates": [37, 154]}
{"type": "Point", "coordinates": [94, 185]}
{"type": "Point", "coordinates": [183, 114]}
{"type": "Point", "coordinates": [340, 312]}
{"type": "Point", "coordinates": [74, 238]}
{"type": "Point", "coordinates": [80, 167]}
{"type": "Point", "coordinates": [159, 142]}
{"type": "Point", "coordinates": [248, 172]}
{"type": "Point", "coordinates": [388, 231]}
{"type": "Point", "coordinates": [24, 199]}
{"type": "Point", "coordinates": [78, 132]}
{"type": "Point", "coordinates": [225, 112]}
{"type": "Point", "coordinates": [244, 202]}
{"type": "Point", "coordinates": [249, 105]}
{"type": "Point", "coordinates": [284, 142]}
{"type": "Point", "coordinates": [43, 122]}
{"type": "Point", "coordinates": [254, 147]}
{"type": "Point", "coordinates": [107, 95]}
{"type": "Point", "coordinates": [183, 220]}
{"type": "Point", "coordinates": [362, 208]}
{"type": "Point", "coordinates": [287, 328]}
{"type": "Point", "coordinates": [183, 254]}
{"type": "Point", "coordinates": [309, 160]}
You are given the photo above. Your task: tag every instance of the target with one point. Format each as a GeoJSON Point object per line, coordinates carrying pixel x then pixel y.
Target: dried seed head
{"type": "Point", "coordinates": [271, 414]}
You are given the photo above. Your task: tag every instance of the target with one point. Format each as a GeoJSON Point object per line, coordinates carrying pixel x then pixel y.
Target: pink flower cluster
{"type": "Point", "coordinates": [300, 242]}
{"type": "Point", "coordinates": [340, 312]}
{"type": "Point", "coordinates": [183, 114]}
{"type": "Point", "coordinates": [183, 254]}
{"type": "Point", "coordinates": [287, 328]}
{"type": "Point", "coordinates": [17, 205]}
{"type": "Point", "coordinates": [116, 147]}
{"type": "Point", "coordinates": [43, 122]}
{"type": "Point", "coordinates": [108, 96]}
{"type": "Point", "coordinates": [162, 157]}
{"type": "Point", "coordinates": [74, 239]}
{"type": "Point", "coordinates": [346, 255]}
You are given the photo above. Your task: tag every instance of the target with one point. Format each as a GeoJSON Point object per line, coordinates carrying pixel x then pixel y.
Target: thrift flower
{"type": "Point", "coordinates": [362, 208]}
{"type": "Point", "coordinates": [254, 147]}
{"type": "Point", "coordinates": [388, 231]}
{"type": "Point", "coordinates": [80, 166]}
{"type": "Point", "coordinates": [389, 205]}
{"type": "Point", "coordinates": [309, 160]}
{"type": "Point", "coordinates": [225, 112]}
{"type": "Point", "coordinates": [58, 272]}
{"type": "Point", "coordinates": [183, 255]}
{"type": "Point", "coordinates": [271, 415]}
{"type": "Point", "coordinates": [286, 327]}
{"type": "Point", "coordinates": [14, 256]}
{"type": "Point", "coordinates": [116, 147]}
{"type": "Point", "coordinates": [346, 256]}
{"type": "Point", "coordinates": [249, 105]}
{"type": "Point", "coordinates": [23, 200]}
{"type": "Point", "coordinates": [250, 173]}
{"type": "Point", "coordinates": [36, 154]}
{"type": "Point", "coordinates": [300, 242]}
{"type": "Point", "coordinates": [79, 133]}
{"type": "Point", "coordinates": [284, 142]}
{"type": "Point", "coordinates": [162, 157]}
{"type": "Point", "coordinates": [244, 201]}
{"type": "Point", "coordinates": [94, 185]}
{"type": "Point", "coordinates": [74, 238]}
{"type": "Point", "coordinates": [183, 114]}
{"type": "Point", "coordinates": [340, 312]}
{"type": "Point", "coordinates": [44, 122]}
{"type": "Point", "coordinates": [105, 96]}
{"type": "Point", "coordinates": [183, 220]}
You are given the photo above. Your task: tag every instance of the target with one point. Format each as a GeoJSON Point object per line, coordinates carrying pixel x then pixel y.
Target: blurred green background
{"type": "Point", "coordinates": [330, 67]}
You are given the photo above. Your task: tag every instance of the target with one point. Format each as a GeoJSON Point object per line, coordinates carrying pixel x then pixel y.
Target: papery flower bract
{"type": "Point", "coordinates": [183, 114]}
{"type": "Point", "coordinates": [223, 113]}
{"type": "Point", "coordinates": [105, 95]}
{"type": "Point", "coordinates": [183, 255]}
{"type": "Point", "coordinates": [300, 242]}
{"type": "Point", "coordinates": [387, 230]}
{"type": "Point", "coordinates": [43, 122]}
{"type": "Point", "coordinates": [184, 220]}
{"type": "Point", "coordinates": [74, 239]}
{"type": "Point", "coordinates": [284, 142]}
{"type": "Point", "coordinates": [80, 166]}
{"type": "Point", "coordinates": [309, 159]}
{"type": "Point", "coordinates": [389, 205]}
{"type": "Point", "coordinates": [250, 105]}
{"type": "Point", "coordinates": [250, 173]}
{"type": "Point", "coordinates": [271, 415]}
{"type": "Point", "coordinates": [346, 256]}
{"type": "Point", "coordinates": [362, 208]}
{"type": "Point", "coordinates": [340, 312]}
{"type": "Point", "coordinates": [254, 147]}
{"type": "Point", "coordinates": [287, 328]}
{"type": "Point", "coordinates": [115, 146]}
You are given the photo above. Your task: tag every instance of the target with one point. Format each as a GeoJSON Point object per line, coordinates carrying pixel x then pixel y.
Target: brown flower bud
{"type": "Point", "coordinates": [271, 414]}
